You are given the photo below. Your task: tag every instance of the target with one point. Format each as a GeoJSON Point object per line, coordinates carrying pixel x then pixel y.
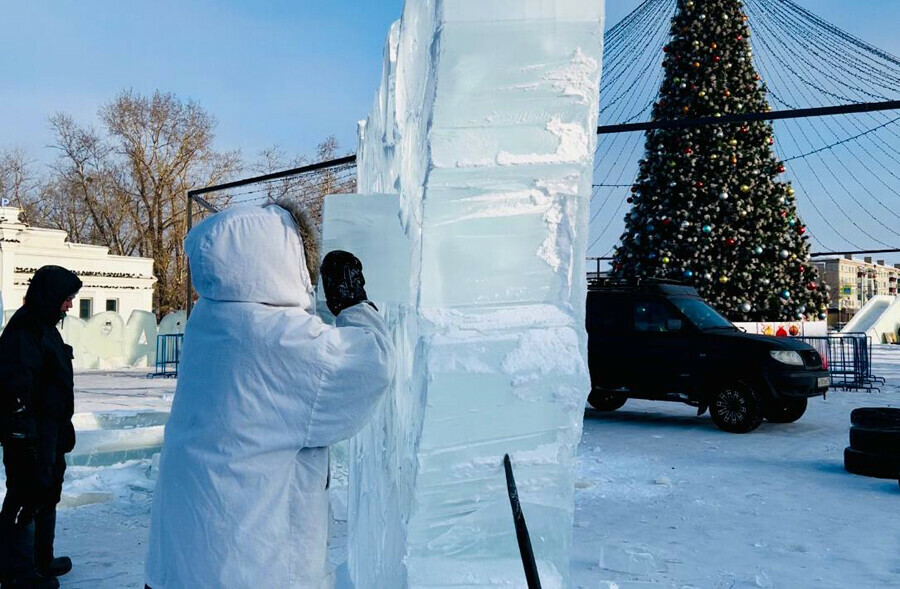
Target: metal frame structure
{"type": "Point", "coordinates": [195, 194]}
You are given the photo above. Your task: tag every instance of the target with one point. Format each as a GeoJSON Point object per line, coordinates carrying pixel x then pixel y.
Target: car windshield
{"type": "Point", "coordinates": [701, 314]}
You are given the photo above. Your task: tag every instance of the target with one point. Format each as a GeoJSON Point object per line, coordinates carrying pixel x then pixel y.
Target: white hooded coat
{"type": "Point", "coordinates": [263, 388]}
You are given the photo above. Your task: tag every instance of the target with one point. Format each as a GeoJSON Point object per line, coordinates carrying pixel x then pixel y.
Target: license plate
{"type": "Point", "coordinates": [823, 382]}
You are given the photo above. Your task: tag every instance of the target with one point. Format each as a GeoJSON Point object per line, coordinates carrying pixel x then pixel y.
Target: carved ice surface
{"type": "Point", "coordinates": [481, 143]}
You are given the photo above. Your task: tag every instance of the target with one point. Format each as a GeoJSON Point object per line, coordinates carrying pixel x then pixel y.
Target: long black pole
{"type": "Point", "coordinates": [856, 252]}
{"type": "Point", "coordinates": [774, 115]}
{"type": "Point", "coordinates": [343, 161]}
{"type": "Point", "coordinates": [531, 570]}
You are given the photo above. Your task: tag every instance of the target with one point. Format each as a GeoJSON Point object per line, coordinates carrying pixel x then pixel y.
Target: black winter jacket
{"type": "Point", "coordinates": [36, 380]}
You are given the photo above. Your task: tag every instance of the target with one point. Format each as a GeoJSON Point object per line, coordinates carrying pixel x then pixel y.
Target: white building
{"type": "Point", "coordinates": [111, 283]}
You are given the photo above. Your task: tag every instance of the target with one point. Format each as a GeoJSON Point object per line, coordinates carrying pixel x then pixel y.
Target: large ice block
{"type": "Point", "coordinates": [350, 221]}
{"type": "Point", "coordinates": [483, 129]}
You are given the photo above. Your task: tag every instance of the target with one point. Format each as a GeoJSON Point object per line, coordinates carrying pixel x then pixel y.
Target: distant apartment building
{"type": "Point", "coordinates": [853, 282]}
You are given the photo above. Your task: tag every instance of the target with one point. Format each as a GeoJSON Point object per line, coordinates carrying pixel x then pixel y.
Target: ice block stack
{"type": "Point", "coordinates": [484, 128]}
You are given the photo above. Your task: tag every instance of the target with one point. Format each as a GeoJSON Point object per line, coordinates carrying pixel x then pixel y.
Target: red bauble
{"type": "Point", "coordinates": [740, 37]}
{"type": "Point", "coordinates": [634, 189]}
{"type": "Point", "coordinates": [700, 184]}
{"type": "Point", "coordinates": [794, 330]}
{"type": "Point", "coordinates": [812, 286]}
{"type": "Point", "coordinates": [688, 150]}
{"type": "Point", "coordinates": [665, 48]}
{"type": "Point", "coordinates": [801, 229]}
{"type": "Point", "coordinates": [629, 200]}
{"type": "Point", "coordinates": [729, 241]}
{"type": "Point", "coordinates": [781, 169]}
{"type": "Point", "coordinates": [802, 269]}
{"type": "Point", "coordinates": [717, 59]}
{"type": "Point", "coordinates": [666, 220]}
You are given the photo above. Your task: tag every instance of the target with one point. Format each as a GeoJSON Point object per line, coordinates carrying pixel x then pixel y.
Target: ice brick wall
{"type": "Point", "coordinates": [106, 341]}
{"type": "Point", "coordinates": [484, 128]}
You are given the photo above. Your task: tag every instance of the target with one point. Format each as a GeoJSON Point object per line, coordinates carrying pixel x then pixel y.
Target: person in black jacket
{"type": "Point", "coordinates": [36, 407]}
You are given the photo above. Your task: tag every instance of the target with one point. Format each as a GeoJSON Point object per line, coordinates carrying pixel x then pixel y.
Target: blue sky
{"type": "Point", "coordinates": [287, 72]}
{"type": "Point", "coordinates": [275, 71]}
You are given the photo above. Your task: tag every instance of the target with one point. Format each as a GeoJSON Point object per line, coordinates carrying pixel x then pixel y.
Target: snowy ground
{"type": "Point", "coordinates": [663, 498]}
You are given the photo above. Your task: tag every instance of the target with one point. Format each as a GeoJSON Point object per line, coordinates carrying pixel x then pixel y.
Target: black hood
{"type": "Point", "coordinates": [50, 286]}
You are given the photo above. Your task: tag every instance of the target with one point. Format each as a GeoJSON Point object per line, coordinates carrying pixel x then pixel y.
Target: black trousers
{"type": "Point", "coordinates": [27, 522]}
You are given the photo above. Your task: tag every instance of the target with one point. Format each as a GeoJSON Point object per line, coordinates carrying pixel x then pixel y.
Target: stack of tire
{"type": "Point", "coordinates": [874, 449]}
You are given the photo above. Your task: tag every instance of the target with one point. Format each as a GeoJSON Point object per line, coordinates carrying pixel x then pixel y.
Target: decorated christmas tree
{"type": "Point", "coordinates": [708, 206]}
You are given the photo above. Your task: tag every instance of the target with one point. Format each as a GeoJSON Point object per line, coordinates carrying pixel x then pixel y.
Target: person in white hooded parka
{"type": "Point", "coordinates": [264, 387]}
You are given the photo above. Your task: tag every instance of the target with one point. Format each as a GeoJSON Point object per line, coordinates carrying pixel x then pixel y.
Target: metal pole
{"type": "Point", "coordinates": [189, 287]}
{"type": "Point", "coordinates": [342, 161]}
{"type": "Point", "coordinates": [525, 549]}
{"type": "Point", "coordinates": [774, 115]}
{"type": "Point", "coordinates": [854, 252]}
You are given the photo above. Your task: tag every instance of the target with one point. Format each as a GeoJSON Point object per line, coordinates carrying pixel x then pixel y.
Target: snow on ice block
{"type": "Point", "coordinates": [368, 226]}
{"type": "Point", "coordinates": [481, 92]}
{"type": "Point", "coordinates": [111, 437]}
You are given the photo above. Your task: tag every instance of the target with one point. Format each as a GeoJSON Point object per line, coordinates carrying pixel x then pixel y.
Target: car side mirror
{"type": "Point", "coordinates": [674, 325]}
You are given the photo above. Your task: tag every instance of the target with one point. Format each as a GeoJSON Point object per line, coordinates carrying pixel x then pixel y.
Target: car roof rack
{"type": "Point", "coordinates": [651, 284]}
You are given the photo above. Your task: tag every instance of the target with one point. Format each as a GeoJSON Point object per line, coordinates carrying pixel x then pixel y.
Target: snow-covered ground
{"type": "Point", "coordinates": [663, 498]}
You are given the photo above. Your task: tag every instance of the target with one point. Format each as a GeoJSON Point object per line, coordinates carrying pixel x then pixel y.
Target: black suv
{"type": "Point", "coordinates": [659, 340]}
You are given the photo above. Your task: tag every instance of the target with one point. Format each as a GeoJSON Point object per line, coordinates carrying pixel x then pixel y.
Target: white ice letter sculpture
{"type": "Point", "coordinates": [476, 166]}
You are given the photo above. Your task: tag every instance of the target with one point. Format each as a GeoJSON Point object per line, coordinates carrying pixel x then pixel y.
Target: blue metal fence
{"type": "Point", "coordinates": [849, 358]}
{"type": "Point", "coordinates": [168, 355]}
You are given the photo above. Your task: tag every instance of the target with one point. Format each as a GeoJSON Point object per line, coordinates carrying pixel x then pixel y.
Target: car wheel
{"type": "Point", "coordinates": [736, 408]}
{"type": "Point", "coordinates": [880, 466]}
{"type": "Point", "coordinates": [786, 410]}
{"type": "Point", "coordinates": [875, 441]}
{"type": "Point", "coordinates": [875, 417]}
{"type": "Point", "coordinates": [604, 401]}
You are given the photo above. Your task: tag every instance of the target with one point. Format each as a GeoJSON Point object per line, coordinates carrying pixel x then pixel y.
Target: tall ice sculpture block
{"type": "Point", "coordinates": [484, 130]}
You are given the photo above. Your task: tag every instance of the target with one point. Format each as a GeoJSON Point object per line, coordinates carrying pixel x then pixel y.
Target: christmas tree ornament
{"type": "Point", "coordinates": [758, 250]}
{"type": "Point", "coordinates": [784, 254]}
{"type": "Point", "coordinates": [665, 260]}
{"type": "Point", "coordinates": [723, 279]}
{"type": "Point", "coordinates": [688, 274]}
{"type": "Point", "coordinates": [745, 188]}
{"type": "Point", "coordinates": [746, 307]}
{"type": "Point", "coordinates": [785, 294]}
{"type": "Point", "coordinates": [723, 196]}
{"type": "Point", "coordinates": [707, 229]}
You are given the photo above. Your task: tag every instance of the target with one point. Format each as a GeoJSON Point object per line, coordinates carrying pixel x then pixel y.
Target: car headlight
{"type": "Point", "coordinates": [791, 358]}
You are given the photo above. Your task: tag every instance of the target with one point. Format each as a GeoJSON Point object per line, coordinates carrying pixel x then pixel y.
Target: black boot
{"type": "Point", "coordinates": [44, 534]}
{"type": "Point", "coordinates": [57, 567]}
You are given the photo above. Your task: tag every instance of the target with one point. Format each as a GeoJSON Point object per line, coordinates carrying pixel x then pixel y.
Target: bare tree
{"type": "Point", "coordinates": [18, 182]}
{"type": "Point", "coordinates": [126, 189]}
